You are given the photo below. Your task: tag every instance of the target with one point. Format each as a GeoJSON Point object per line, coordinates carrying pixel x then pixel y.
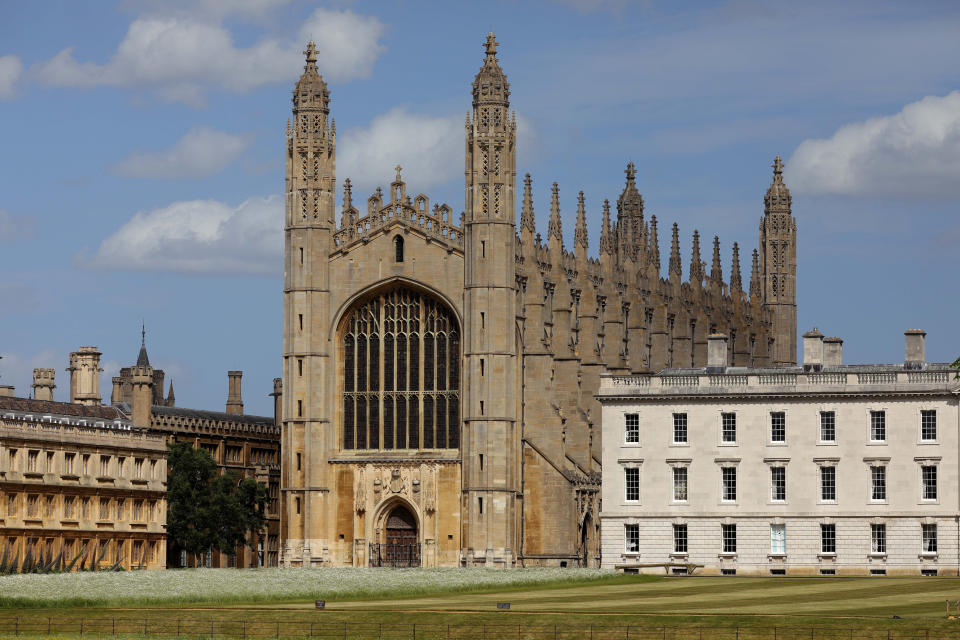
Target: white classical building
{"type": "Point", "coordinates": [822, 469]}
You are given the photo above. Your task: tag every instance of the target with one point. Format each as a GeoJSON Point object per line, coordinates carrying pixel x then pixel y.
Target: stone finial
{"type": "Point", "coordinates": [311, 53]}
{"type": "Point", "coordinates": [491, 45]}
{"type": "Point", "coordinates": [777, 198]}
{"type": "Point", "coordinates": [490, 87]}
{"type": "Point", "coordinates": [736, 283]}
{"type": "Point", "coordinates": [606, 234]}
{"type": "Point", "coordinates": [555, 228]}
{"type": "Point", "coordinates": [755, 275]}
{"type": "Point", "coordinates": [696, 263]}
{"type": "Point", "coordinates": [674, 268]}
{"type": "Point", "coordinates": [527, 219]}
{"type": "Point", "coordinates": [653, 254]}
{"type": "Point", "coordinates": [171, 398]}
{"type": "Point", "coordinates": [716, 269]}
{"type": "Point", "coordinates": [580, 232]}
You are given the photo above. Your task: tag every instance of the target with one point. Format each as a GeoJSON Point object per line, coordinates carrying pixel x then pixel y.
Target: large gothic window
{"type": "Point", "coordinates": [401, 373]}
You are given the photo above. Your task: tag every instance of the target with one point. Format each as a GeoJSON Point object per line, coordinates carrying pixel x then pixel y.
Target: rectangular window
{"type": "Point", "coordinates": [68, 502]}
{"type": "Point", "coordinates": [11, 504]}
{"type": "Point", "coordinates": [728, 427]}
{"type": "Point", "coordinates": [86, 464]}
{"type": "Point", "coordinates": [32, 502]}
{"type": "Point", "coordinates": [32, 461]}
{"type": "Point", "coordinates": [104, 509]}
{"type": "Point", "coordinates": [50, 467]}
{"type": "Point", "coordinates": [729, 536]}
{"type": "Point", "coordinates": [632, 428]}
{"type": "Point", "coordinates": [138, 468]}
{"type": "Point", "coordinates": [680, 428]}
{"type": "Point", "coordinates": [828, 538]}
{"type": "Point", "coordinates": [104, 466]}
{"type": "Point", "coordinates": [778, 484]}
{"type": "Point", "coordinates": [929, 532]}
{"type": "Point", "coordinates": [729, 476]}
{"type": "Point", "coordinates": [878, 480]}
{"type": "Point", "coordinates": [13, 460]}
{"type": "Point", "coordinates": [828, 426]}
{"type": "Point", "coordinates": [121, 508]}
{"type": "Point", "coordinates": [929, 475]}
{"type": "Point", "coordinates": [679, 538]}
{"type": "Point", "coordinates": [68, 459]}
{"type": "Point", "coordinates": [85, 509]}
{"type": "Point", "coordinates": [631, 477]}
{"type": "Point", "coordinates": [631, 535]}
{"type": "Point", "coordinates": [878, 426]}
{"type": "Point", "coordinates": [121, 467]}
{"type": "Point", "coordinates": [778, 539]}
{"type": "Point", "coordinates": [680, 484]}
{"type": "Point", "coordinates": [48, 507]}
{"type": "Point", "coordinates": [878, 538]}
{"type": "Point", "coordinates": [153, 469]}
{"type": "Point", "coordinates": [928, 425]}
{"type": "Point", "coordinates": [778, 426]}
{"type": "Point", "coordinates": [828, 484]}
{"type": "Point", "coordinates": [138, 510]}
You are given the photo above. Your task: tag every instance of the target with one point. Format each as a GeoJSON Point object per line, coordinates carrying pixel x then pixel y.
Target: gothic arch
{"type": "Point", "coordinates": [385, 283]}
{"type": "Point", "coordinates": [387, 507]}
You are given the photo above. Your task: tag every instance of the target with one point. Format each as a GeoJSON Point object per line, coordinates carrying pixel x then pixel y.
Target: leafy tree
{"type": "Point", "coordinates": [956, 365]}
{"type": "Point", "coordinates": [207, 510]}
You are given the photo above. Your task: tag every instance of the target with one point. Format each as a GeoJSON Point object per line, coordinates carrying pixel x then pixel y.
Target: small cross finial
{"type": "Point", "coordinates": [491, 44]}
{"type": "Point", "coordinates": [311, 52]}
{"type": "Point", "coordinates": [631, 171]}
{"type": "Point", "coordinates": [777, 166]}
{"type": "Point", "coordinates": [398, 169]}
{"type": "Point", "coordinates": [143, 333]}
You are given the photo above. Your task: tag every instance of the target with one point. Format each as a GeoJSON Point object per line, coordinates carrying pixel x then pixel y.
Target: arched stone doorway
{"type": "Point", "coordinates": [399, 540]}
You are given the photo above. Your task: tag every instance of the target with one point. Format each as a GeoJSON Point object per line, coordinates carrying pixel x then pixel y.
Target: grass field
{"type": "Point", "coordinates": [586, 605]}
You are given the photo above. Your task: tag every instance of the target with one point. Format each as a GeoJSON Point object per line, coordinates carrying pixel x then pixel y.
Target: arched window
{"type": "Point", "coordinates": [398, 247]}
{"type": "Point", "coordinates": [401, 373]}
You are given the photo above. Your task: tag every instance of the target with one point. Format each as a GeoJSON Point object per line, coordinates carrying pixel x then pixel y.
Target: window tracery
{"type": "Point", "coordinates": [401, 375]}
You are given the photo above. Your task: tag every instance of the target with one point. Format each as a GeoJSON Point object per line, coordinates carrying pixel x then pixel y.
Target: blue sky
{"type": "Point", "coordinates": [141, 149]}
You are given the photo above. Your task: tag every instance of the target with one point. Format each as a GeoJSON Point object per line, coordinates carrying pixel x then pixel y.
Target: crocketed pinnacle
{"type": "Point", "coordinates": [777, 199]}
{"type": "Point", "coordinates": [696, 263]}
{"type": "Point", "coordinates": [654, 251]}
{"type": "Point", "coordinates": [736, 284]}
{"type": "Point", "coordinates": [755, 276]}
{"type": "Point", "coordinates": [349, 211]}
{"type": "Point", "coordinates": [490, 87]}
{"type": "Point", "coordinates": [716, 270]}
{"type": "Point", "coordinates": [674, 268]}
{"type": "Point", "coordinates": [606, 235]}
{"type": "Point", "coordinates": [171, 399]}
{"type": "Point", "coordinates": [527, 219]}
{"type": "Point", "coordinates": [311, 90]}
{"type": "Point", "coordinates": [580, 232]}
{"type": "Point", "coordinates": [142, 359]}
{"type": "Point", "coordinates": [555, 229]}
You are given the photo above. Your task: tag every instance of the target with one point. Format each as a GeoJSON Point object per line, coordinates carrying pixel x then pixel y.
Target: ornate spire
{"type": "Point", "coordinates": [142, 359]}
{"type": "Point", "coordinates": [490, 87]}
{"type": "Point", "coordinates": [580, 233]}
{"type": "Point", "coordinates": [716, 270]}
{"type": "Point", "coordinates": [171, 399]}
{"type": "Point", "coordinates": [675, 268]}
{"type": "Point", "coordinates": [349, 216]}
{"type": "Point", "coordinates": [527, 220]}
{"type": "Point", "coordinates": [311, 90]}
{"type": "Point", "coordinates": [654, 253]}
{"type": "Point", "coordinates": [755, 275]}
{"type": "Point", "coordinates": [696, 263]}
{"type": "Point", "coordinates": [777, 199]}
{"type": "Point", "coordinates": [630, 227]}
{"type": "Point", "coordinates": [736, 284]}
{"type": "Point", "coordinates": [606, 235]}
{"type": "Point", "coordinates": [554, 229]}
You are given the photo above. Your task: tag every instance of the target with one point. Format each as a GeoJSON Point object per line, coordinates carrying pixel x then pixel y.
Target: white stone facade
{"type": "Point", "coordinates": [895, 483]}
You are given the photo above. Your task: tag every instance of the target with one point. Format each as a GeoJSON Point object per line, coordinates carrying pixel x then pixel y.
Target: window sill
{"type": "Point", "coordinates": [34, 521]}
{"type": "Point", "coordinates": [33, 475]}
{"type": "Point", "coordinates": [827, 502]}
{"type": "Point", "coordinates": [926, 442]}
{"type": "Point", "coordinates": [630, 554]}
{"type": "Point", "coordinates": [630, 445]}
{"type": "Point", "coordinates": [777, 556]}
{"type": "Point", "coordinates": [775, 503]}
{"type": "Point", "coordinates": [679, 444]}
{"type": "Point", "coordinates": [681, 555]}
{"type": "Point", "coordinates": [876, 443]}
{"type": "Point", "coordinates": [727, 555]}
{"type": "Point", "coordinates": [728, 444]}
{"type": "Point", "coordinates": [827, 556]}
{"type": "Point", "coordinates": [776, 444]}
{"type": "Point", "coordinates": [70, 476]}
{"type": "Point", "coordinates": [827, 443]}
{"type": "Point", "coordinates": [928, 555]}
{"type": "Point", "coordinates": [877, 502]}
{"type": "Point", "coordinates": [139, 481]}
{"type": "Point", "coordinates": [877, 555]}
{"type": "Point", "coordinates": [680, 503]}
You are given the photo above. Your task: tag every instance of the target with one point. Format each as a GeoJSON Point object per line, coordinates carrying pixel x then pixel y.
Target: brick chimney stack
{"type": "Point", "coordinates": [234, 394]}
{"type": "Point", "coordinates": [832, 352]}
{"type": "Point", "coordinates": [813, 350]}
{"type": "Point", "coordinates": [43, 384]}
{"type": "Point", "coordinates": [716, 353]}
{"type": "Point", "coordinates": [916, 353]}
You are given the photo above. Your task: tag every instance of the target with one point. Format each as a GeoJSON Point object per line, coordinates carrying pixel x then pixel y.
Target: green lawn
{"type": "Point", "coordinates": [622, 608]}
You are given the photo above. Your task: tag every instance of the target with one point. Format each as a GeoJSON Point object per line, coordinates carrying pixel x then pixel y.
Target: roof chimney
{"type": "Point", "coordinates": [84, 372]}
{"type": "Point", "coordinates": [6, 390]}
{"type": "Point", "coordinates": [43, 384]}
{"type": "Point", "coordinates": [813, 350]}
{"type": "Point", "coordinates": [234, 395]}
{"type": "Point", "coordinates": [915, 349]}
{"type": "Point", "coordinates": [716, 353]}
{"type": "Point", "coordinates": [832, 352]}
{"type": "Point", "coordinates": [277, 396]}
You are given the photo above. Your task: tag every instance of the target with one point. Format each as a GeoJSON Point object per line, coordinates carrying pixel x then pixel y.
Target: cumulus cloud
{"type": "Point", "coordinates": [198, 236]}
{"type": "Point", "coordinates": [14, 228]}
{"type": "Point", "coordinates": [11, 68]}
{"type": "Point", "coordinates": [199, 153]}
{"type": "Point", "coordinates": [181, 56]}
{"type": "Point", "coordinates": [914, 153]}
{"type": "Point", "coordinates": [429, 148]}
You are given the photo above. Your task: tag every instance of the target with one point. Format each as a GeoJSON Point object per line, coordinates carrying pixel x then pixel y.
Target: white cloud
{"type": "Point", "coordinates": [198, 236]}
{"type": "Point", "coordinates": [199, 153]}
{"type": "Point", "coordinates": [914, 153]}
{"type": "Point", "coordinates": [11, 68]}
{"type": "Point", "coordinates": [182, 56]}
{"type": "Point", "coordinates": [13, 228]}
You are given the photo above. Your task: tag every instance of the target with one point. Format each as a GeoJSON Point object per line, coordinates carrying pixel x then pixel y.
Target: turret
{"type": "Point", "coordinates": [84, 373]}
{"type": "Point", "coordinates": [43, 384]}
{"type": "Point", "coordinates": [778, 264]}
{"type": "Point", "coordinates": [142, 378]}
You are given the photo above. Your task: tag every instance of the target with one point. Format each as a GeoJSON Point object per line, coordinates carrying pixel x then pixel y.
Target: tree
{"type": "Point", "coordinates": [956, 365]}
{"type": "Point", "coordinates": [207, 510]}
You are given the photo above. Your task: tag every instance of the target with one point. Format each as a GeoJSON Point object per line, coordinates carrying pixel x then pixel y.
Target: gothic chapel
{"type": "Point", "coordinates": [439, 373]}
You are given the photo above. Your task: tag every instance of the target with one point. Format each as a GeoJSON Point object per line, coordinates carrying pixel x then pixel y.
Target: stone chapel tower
{"type": "Point", "coordinates": [778, 263]}
{"type": "Point", "coordinates": [491, 458]}
{"type": "Point", "coordinates": [308, 238]}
